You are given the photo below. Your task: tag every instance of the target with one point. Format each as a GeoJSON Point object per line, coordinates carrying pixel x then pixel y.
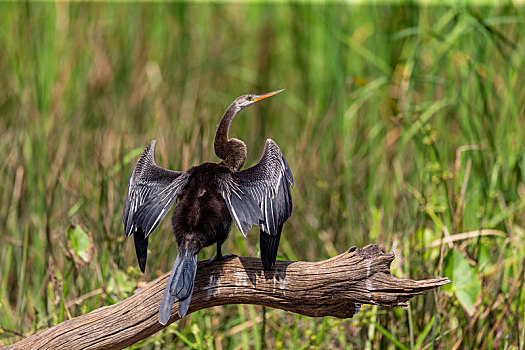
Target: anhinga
{"type": "Point", "coordinates": [210, 196]}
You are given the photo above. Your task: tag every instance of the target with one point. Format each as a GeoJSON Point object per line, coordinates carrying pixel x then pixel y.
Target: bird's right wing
{"type": "Point", "coordinates": [152, 190]}
{"type": "Point", "coordinates": [260, 195]}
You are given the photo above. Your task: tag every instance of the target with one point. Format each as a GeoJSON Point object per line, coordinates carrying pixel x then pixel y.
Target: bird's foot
{"type": "Point", "coordinates": [221, 257]}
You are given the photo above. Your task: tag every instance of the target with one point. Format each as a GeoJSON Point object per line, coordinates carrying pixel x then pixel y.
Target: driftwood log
{"type": "Point", "coordinates": [334, 287]}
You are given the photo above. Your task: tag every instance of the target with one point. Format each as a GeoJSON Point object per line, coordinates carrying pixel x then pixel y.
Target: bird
{"type": "Point", "coordinates": [210, 197]}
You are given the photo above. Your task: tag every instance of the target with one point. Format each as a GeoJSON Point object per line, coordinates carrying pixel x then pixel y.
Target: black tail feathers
{"type": "Point", "coordinates": [179, 286]}
{"type": "Point", "coordinates": [141, 248]}
{"type": "Point", "coordinates": [269, 245]}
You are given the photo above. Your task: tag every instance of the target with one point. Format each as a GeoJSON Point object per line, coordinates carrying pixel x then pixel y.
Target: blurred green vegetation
{"type": "Point", "coordinates": [402, 124]}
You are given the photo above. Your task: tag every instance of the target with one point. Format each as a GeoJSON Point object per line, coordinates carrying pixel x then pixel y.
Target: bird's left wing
{"type": "Point", "coordinates": [152, 190]}
{"type": "Point", "coordinates": [260, 195]}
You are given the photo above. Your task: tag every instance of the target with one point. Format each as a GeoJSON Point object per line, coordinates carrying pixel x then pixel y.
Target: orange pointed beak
{"type": "Point", "coordinates": [257, 98]}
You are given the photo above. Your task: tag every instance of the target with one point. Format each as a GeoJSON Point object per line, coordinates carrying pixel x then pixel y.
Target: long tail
{"type": "Point", "coordinates": [269, 244]}
{"type": "Point", "coordinates": [179, 286]}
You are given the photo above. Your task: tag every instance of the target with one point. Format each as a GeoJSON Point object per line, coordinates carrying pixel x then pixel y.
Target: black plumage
{"type": "Point", "coordinates": [210, 196]}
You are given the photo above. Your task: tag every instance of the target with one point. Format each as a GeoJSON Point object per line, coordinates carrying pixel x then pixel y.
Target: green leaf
{"type": "Point", "coordinates": [79, 244]}
{"type": "Point", "coordinates": [466, 284]}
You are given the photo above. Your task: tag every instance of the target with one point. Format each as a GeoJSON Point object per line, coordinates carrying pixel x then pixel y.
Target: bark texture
{"type": "Point", "coordinates": [334, 287]}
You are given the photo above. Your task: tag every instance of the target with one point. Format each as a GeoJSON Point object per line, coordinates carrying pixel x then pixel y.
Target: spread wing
{"type": "Point", "coordinates": [261, 196]}
{"type": "Point", "coordinates": [152, 190]}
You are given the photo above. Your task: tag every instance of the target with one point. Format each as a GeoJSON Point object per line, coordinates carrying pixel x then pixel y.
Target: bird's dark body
{"type": "Point", "coordinates": [201, 218]}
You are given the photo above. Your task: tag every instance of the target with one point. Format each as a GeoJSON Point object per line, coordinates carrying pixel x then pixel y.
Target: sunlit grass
{"type": "Point", "coordinates": [402, 125]}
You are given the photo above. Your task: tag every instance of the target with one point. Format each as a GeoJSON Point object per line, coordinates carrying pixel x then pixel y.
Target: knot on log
{"type": "Point", "coordinates": [334, 287]}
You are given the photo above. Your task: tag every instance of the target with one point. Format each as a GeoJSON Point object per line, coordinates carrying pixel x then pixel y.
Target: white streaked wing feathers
{"type": "Point", "coordinates": [263, 191]}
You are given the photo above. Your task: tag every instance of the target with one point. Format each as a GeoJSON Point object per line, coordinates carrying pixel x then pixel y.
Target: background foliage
{"type": "Point", "coordinates": [403, 125]}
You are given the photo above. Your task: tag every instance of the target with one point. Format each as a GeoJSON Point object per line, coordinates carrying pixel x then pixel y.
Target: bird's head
{"type": "Point", "coordinates": [244, 101]}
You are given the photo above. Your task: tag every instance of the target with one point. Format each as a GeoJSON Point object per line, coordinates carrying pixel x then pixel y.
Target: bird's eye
{"type": "Point", "coordinates": [249, 98]}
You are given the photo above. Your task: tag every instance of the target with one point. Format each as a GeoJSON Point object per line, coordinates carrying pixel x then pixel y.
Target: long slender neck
{"type": "Point", "coordinates": [231, 151]}
{"type": "Point", "coordinates": [221, 136]}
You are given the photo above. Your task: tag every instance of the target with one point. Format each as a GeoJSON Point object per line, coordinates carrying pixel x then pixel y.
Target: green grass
{"type": "Point", "coordinates": [401, 124]}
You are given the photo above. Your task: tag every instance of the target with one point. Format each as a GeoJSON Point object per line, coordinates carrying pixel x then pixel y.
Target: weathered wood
{"type": "Point", "coordinates": [334, 287]}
